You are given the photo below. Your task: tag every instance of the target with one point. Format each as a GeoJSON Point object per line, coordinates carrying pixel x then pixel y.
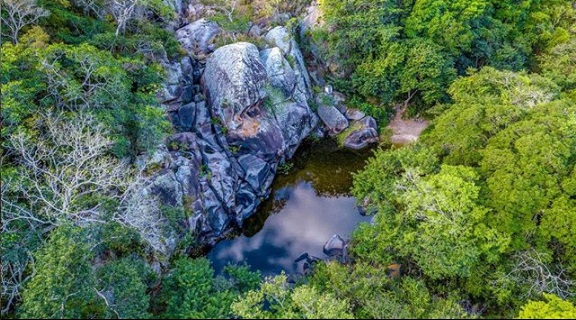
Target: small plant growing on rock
{"type": "Point", "coordinates": [317, 89]}
{"type": "Point", "coordinates": [313, 105]}
{"type": "Point", "coordinates": [268, 104]}
{"type": "Point", "coordinates": [275, 97]}
{"type": "Point", "coordinates": [152, 168]}
{"type": "Point", "coordinates": [313, 138]}
{"type": "Point", "coordinates": [176, 145]}
{"type": "Point", "coordinates": [173, 145]}
{"type": "Point", "coordinates": [285, 167]}
{"type": "Point", "coordinates": [291, 61]}
{"type": "Point", "coordinates": [217, 121]}
{"type": "Point", "coordinates": [234, 149]}
{"type": "Point", "coordinates": [205, 171]}
{"type": "Point", "coordinates": [341, 137]}
{"type": "Point", "coordinates": [327, 100]}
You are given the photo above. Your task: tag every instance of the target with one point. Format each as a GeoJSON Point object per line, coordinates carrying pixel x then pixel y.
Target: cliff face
{"type": "Point", "coordinates": [239, 112]}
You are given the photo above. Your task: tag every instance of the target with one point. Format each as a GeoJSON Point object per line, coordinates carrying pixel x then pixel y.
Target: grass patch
{"type": "Point", "coordinates": [385, 137]}
{"type": "Point", "coordinates": [327, 100]}
{"type": "Point", "coordinates": [285, 168]}
{"type": "Point", "coordinates": [274, 99]}
{"type": "Point", "coordinates": [342, 135]}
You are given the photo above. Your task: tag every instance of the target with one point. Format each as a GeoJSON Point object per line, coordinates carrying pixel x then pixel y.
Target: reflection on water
{"type": "Point", "coordinates": [306, 208]}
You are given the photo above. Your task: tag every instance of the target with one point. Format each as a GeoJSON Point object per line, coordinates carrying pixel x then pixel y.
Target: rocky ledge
{"type": "Point", "coordinates": [239, 113]}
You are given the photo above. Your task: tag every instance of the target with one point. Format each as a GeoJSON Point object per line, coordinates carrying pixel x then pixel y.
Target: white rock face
{"type": "Point", "coordinates": [282, 39]}
{"type": "Point", "coordinates": [197, 37]}
{"type": "Point", "coordinates": [240, 113]}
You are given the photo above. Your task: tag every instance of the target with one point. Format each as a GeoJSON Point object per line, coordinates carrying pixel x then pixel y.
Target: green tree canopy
{"type": "Point", "coordinates": [119, 91]}
{"type": "Point", "coordinates": [485, 103]}
{"type": "Point", "coordinates": [527, 166]}
{"type": "Point", "coordinates": [552, 308]}
{"type": "Point", "coordinates": [393, 51]}
{"type": "Point", "coordinates": [275, 300]}
{"type": "Point", "coordinates": [64, 285]}
{"type": "Point", "coordinates": [191, 290]}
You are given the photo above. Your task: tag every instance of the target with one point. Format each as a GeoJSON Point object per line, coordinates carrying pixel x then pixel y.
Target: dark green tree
{"type": "Point", "coordinates": [191, 290]}
{"type": "Point", "coordinates": [64, 285]}
{"type": "Point", "coordinates": [123, 283]}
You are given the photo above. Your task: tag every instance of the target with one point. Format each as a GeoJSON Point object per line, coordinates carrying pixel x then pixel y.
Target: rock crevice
{"type": "Point", "coordinates": [237, 122]}
{"type": "Point", "coordinates": [239, 113]}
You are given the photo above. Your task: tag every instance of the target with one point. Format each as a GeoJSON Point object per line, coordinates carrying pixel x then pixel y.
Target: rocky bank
{"type": "Point", "coordinates": [239, 112]}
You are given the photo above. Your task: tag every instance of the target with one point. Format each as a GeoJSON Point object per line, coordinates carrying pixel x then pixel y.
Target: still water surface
{"type": "Point", "coordinates": [305, 209]}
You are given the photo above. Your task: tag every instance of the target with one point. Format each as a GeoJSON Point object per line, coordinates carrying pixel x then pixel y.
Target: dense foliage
{"type": "Point", "coordinates": [411, 51]}
{"type": "Point", "coordinates": [78, 105]}
{"type": "Point", "coordinates": [484, 205]}
{"type": "Point", "coordinates": [477, 219]}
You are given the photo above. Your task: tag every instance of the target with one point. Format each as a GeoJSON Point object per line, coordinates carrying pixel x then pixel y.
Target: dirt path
{"type": "Point", "coordinates": [405, 131]}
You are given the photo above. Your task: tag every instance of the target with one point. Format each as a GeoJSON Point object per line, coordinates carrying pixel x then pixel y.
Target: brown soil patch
{"type": "Point", "coordinates": [249, 127]}
{"type": "Point", "coordinates": [405, 131]}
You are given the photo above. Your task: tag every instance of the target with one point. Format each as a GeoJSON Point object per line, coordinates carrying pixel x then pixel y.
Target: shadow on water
{"type": "Point", "coordinates": [327, 168]}
{"type": "Point", "coordinates": [306, 207]}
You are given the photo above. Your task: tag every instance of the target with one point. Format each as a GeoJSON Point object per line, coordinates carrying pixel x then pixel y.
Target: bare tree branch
{"type": "Point", "coordinates": [65, 167]}
{"type": "Point", "coordinates": [18, 14]}
{"type": "Point", "coordinates": [140, 210]}
{"type": "Point", "coordinates": [95, 7]}
{"type": "Point", "coordinates": [64, 175]}
{"type": "Point", "coordinates": [123, 11]}
{"type": "Point", "coordinates": [13, 279]}
{"type": "Point", "coordinates": [227, 7]}
{"type": "Point", "coordinates": [532, 271]}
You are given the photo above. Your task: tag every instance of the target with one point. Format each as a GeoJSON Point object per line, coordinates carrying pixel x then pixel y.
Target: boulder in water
{"type": "Point", "coordinates": [334, 246]}
{"type": "Point", "coordinates": [364, 132]}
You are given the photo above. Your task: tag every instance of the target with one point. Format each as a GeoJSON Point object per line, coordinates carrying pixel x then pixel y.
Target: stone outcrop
{"type": "Point", "coordinates": [334, 120]}
{"type": "Point", "coordinates": [279, 71]}
{"type": "Point", "coordinates": [197, 38]}
{"type": "Point", "coordinates": [359, 130]}
{"type": "Point", "coordinates": [290, 90]}
{"type": "Point", "coordinates": [240, 112]}
{"type": "Point", "coordinates": [334, 246]}
{"type": "Point", "coordinates": [354, 114]}
{"type": "Point", "coordinates": [280, 38]}
{"type": "Point", "coordinates": [364, 132]}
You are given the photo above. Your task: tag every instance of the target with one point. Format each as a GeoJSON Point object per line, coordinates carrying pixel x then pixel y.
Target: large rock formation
{"type": "Point", "coordinates": [245, 114]}
{"type": "Point", "coordinates": [279, 37]}
{"type": "Point", "coordinates": [239, 112]}
{"type": "Point", "coordinates": [363, 133]}
{"type": "Point", "coordinates": [197, 38]}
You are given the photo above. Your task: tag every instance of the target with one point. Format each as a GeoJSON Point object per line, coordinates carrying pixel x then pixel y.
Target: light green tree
{"type": "Point", "coordinates": [122, 284]}
{"type": "Point", "coordinates": [428, 70]}
{"type": "Point", "coordinates": [449, 236]}
{"type": "Point", "coordinates": [374, 294]}
{"type": "Point", "coordinates": [526, 166]}
{"type": "Point", "coordinates": [283, 302]}
{"type": "Point", "coordinates": [485, 103]}
{"type": "Point", "coordinates": [192, 291]}
{"type": "Point", "coordinates": [449, 23]}
{"type": "Point", "coordinates": [64, 285]}
{"type": "Point", "coordinates": [552, 308]}
{"type": "Point", "coordinates": [559, 64]}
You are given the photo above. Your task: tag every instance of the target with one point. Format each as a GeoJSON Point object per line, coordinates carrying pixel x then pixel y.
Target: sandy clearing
{"type": "Point", "coordinates": [405, 130]}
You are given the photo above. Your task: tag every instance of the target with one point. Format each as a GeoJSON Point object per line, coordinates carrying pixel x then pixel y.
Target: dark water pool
{"type": "Point", "coordinates": [306, 207]}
